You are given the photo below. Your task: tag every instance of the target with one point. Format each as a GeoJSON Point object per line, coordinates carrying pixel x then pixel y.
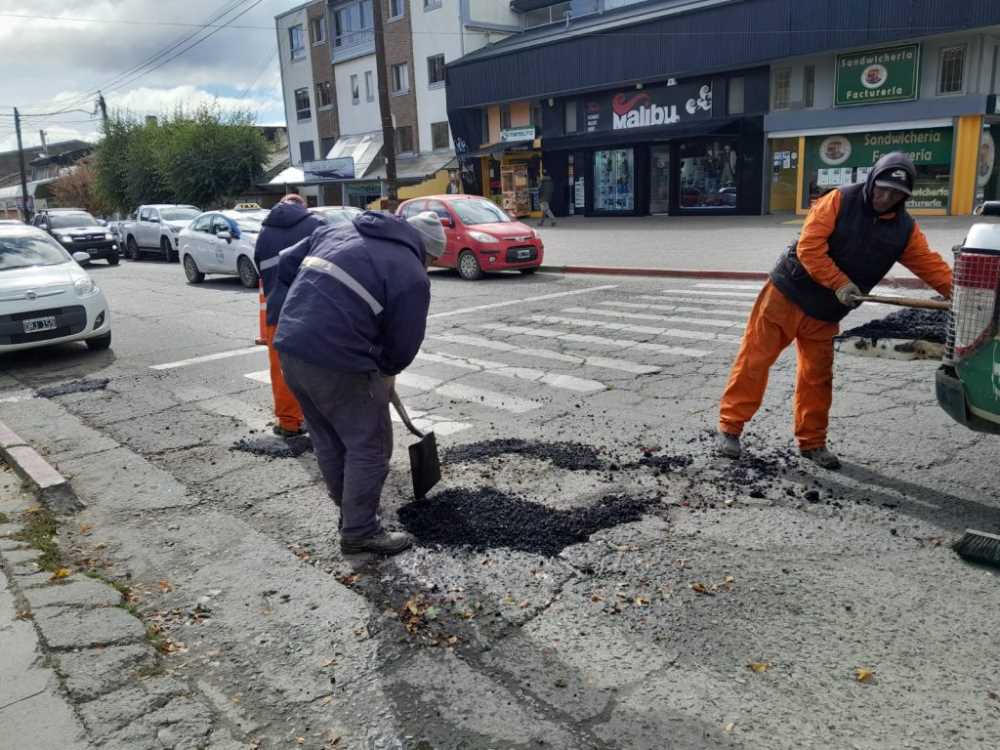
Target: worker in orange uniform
{"type": "Point", "coordinates": [287, 223]}
{"type": "Point", "coordinates": [851, 239]}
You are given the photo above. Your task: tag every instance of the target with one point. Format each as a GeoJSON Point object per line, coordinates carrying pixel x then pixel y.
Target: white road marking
{"type": "Point", "coordinates": [209, 358]}
{"type": "Point", "coordinates": [459, 392]}
{"type": "Point", "coordinates": [582, 338]}
{"type": "Point", "coordinates": [673, 308]}
{"type": "Point", "coordinates": [714, 322]}
{"type": "Point", "coordinates": [241, 410]}
{"type": "Point", "coordinates": [13, 397]}
{"type": "Point", "coordinates": [431, 422]}
{"type": "Point", "coordinates": [264, 376]}
{"type": "Point", "coordinates": [605, 363]}
{"type": "Point", "coordinates": [665, 297]}
{"type": "Point", "coordinates": [676, 333]}
{"type": "Point", "coordinates": [565, 382]}
{"type": "Point", "coordinates": [699, 293]}
{"type": "Point", "coordinates": [496, 305]}
{"type": "Point", "coordinates": [755, 287]}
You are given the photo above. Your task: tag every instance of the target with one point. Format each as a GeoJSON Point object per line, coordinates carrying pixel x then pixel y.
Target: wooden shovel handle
{"type": "Point", "coordinates": [401, 410]}
{"type": "Point", "coordinates": [924, 304]}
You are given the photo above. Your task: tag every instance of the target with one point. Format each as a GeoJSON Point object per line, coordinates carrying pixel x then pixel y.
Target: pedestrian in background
{"type": "Point", "coordinates": [851, 239]}
{"type": "Point", "coordinates": [354, 318]}
{"type": "Point", "coordinates": [545, 189]}
{"type": "Point", "coordinates": [287, 223]}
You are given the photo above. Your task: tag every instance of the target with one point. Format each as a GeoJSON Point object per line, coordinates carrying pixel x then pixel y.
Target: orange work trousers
{"type": "Point", "coordinates": [775, 322]}
{"type": "Point", "coordinates": [286, 408]}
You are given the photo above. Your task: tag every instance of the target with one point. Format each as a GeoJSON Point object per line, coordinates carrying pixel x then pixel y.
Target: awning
{"type": "Point", "coordinates": [499, 149]}
{"type": "Point", "coordinates": [417, 168]}
{"type": "Point", "coordinates": [289, 176]}
{"type": "Point", "coordinates": [364, 149]}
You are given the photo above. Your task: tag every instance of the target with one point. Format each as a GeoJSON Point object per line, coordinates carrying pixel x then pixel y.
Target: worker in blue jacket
{"type": "Point", "coordinates": [354, 317]}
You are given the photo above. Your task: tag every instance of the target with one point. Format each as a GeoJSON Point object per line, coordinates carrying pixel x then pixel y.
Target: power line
{"type": "Point", "coordinates": [126, 22]}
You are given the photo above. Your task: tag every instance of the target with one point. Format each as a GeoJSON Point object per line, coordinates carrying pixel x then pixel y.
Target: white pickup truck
{"type": "Point", "coordinates": [156, 228]}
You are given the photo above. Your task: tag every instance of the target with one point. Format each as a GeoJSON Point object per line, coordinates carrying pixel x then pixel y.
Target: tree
{"type": "Point", "coordinates": [78, 188]}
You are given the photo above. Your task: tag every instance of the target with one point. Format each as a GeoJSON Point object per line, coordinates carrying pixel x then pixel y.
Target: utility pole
{"type": "Point", "coordinates": [388, 131]}
{"type": "Point", "coordinates": [104, 110]}
{"type": "Point", "coordinates": [45, 146]}
{"type": "Point", "coordinates": [24, 174]}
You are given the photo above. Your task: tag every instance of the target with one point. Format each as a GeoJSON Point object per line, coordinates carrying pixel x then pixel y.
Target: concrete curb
{"type": "Point", "coordinates": [53, 488]}
{"type": "Point", "coordinates": [685, 273]}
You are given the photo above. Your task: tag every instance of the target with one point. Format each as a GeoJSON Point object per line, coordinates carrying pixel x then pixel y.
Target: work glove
{"type": "Point", "coordinates": [848, 295]}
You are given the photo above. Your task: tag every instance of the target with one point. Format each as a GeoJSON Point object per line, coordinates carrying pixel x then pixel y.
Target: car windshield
{"type": "Point", "coordinates": [248, 225]}
{"type": "Point", "coordinates": [178, 214]}
{"type": "Point", "coordinates": [21, 251]}
{"type": "Point", "coordinates": [75, 219]}
{"type": "Point", "coordinates": [479, 212]}
{"type": "Point", "coordinates": [340, 215]}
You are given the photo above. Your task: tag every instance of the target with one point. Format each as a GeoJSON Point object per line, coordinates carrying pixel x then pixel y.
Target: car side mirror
{"type": "Point", "coordinates": [81, 257]}
{"type": "Point", "coordinates": [224, 235]}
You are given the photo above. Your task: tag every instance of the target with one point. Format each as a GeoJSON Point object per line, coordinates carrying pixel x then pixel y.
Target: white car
{"type": "Point", "coordinates": [45, 296]}
{"type": "Point", "coordinates": [337, 214]}
{"type": "Point", "coordinates": [220, 242]}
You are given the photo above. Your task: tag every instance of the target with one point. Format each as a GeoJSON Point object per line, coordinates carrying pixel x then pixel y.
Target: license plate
{"type": "Point", "coordinates": [524, 253]}
{"type": "Point", "coordinates": [39, 324]}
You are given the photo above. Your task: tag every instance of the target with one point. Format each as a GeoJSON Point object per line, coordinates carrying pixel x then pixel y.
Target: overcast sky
{"type": "Point", "coordinates": [54, 63]}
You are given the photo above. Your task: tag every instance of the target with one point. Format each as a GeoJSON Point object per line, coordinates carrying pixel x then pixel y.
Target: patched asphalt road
{"type": "Point", "coordinates": [591, 576]}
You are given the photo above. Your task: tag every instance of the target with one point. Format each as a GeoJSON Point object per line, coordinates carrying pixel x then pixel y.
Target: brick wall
{"type": "Point", "coordinates": [327, 123]}
{"type": "Point", "coordinates": [399, 49]}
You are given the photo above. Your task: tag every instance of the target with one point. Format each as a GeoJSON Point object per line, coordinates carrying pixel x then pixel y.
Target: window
{"type": "Point", "coordinates": [439, 135]}
{"type": "Point", "coordinates": [413, 208]}
{"type": "Point", "coordinates": [782, 88]}
{"type": "Point", "coordinates": [396, 9]}
{"type": "Point", "coordinates": [809, 86]}
{"type": "Point", "coordinates": [307, 150]}
{"type": "Point", "coordinates": [400, 78]}
{"type": "Point", "coordinates": [326, 146]}
{"type": "Point", "coordinates": [353, 24]}
{"type": "Point", "coordinates": [708, 174]}
{"type": "Point", "coordinates": [504, 116]}
{"type": "Point", "coordinates": [432, 4]}
{"type": "Point", "coordinates": [369, 86]}
{"type": "Point", "coordinates": [324, 95]}
{"type": "Point", "coordinates": [296, 42]}
{"type": "Point", "coordinates": [570, 113]}
{"type": "Point", "coordinates": [952, 78]}
{"type": "Point", "coordinates": [404, 140]}
{"type": "Point", "coordinates": [435, 69]}
{"type": "Point", "coordinates": [355, 91]}
{"type": "Point", "coordinates": [536, 115]}
{"type": "Point", "coordinates": [203, 223]}
{"type": "Point", "coordinates": [302, 109]}
{"type": "Point", "coordinates": [317, 30]}
{"type": "Point", "coordinates": [439, 208]}
{"type": "Point", "coordinates": [736, 95]}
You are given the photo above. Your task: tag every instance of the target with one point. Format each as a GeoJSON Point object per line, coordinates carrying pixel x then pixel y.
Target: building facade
{"type": "Point", "coordinates": [715, 107]}
{"type": "Point", "coordinates": [331, 90]}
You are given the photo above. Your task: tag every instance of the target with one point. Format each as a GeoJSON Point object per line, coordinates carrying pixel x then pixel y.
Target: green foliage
{"type": "Point", "coordinates": [206, 159]}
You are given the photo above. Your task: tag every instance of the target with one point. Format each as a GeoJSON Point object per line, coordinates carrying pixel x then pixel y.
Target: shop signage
{"type": "Point", "coordinates": [517, 134]}
{"type": "Point", "coordinates": [889, 74]}
{"type": "Point", "coordinates": [656, 106]}
{"type": "Point", "coordinates": [328, 170]}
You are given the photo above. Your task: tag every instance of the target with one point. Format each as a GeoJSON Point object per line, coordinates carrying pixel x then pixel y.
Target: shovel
{"type": "Point", "coordinates": [425, 467]}
{"type": "Point", "coordinates": [924, 304]}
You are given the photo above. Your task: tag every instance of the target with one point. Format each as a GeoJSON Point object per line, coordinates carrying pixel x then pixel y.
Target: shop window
{"type": "Point", "coordinates": [435, 70]}
{"type": "Point", "coordinates": [988, 173]}
{"type": "Point", "coordinates": [736, 86]}
{"type": "Point", "coordinates": [951, 79]}
{"type": "Point", "coordinates": [809, 86]}
{"type": "Point", "coordinates": [317, 30]}
{"type": "Point", "coordinates": [570, 126]}
{"type": "Point", "coordinates": [439, 136]}
{"type": "Point", "coordinates": [399, 77]}
{"type": "Point", "coordinates": [355, 91]}
{"type": "Point", "coordinates": [708, 174]}
{"type": "Point", "coordinates": [302, 108]}
{"type": "Point", "coordinates": [369, 87]}
{"type": "Point", "coordinates": [404, 140]}
{"type": "Point", "coordinates": [614, 181]}
{"type": "Point", "coordinates": [307, 150]}
{"type": "Point", "coordinates": [296, 42]}
{"type": "Point", "coordinates": [324, 95]}
{"type": "Point", "coordinates": [782, 89]}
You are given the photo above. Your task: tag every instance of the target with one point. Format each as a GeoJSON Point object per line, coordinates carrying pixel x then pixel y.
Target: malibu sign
{"type": "Point", "coordinates": [658, 106]}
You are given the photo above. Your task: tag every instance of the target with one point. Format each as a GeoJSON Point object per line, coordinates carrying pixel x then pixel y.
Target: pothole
{"type": "Point", "coordinates": [922, 325]}
{"type": "Point", "coordinates": [74, 386]}
{"type": "Point", "coordinates": [564, 455]}
{"type": "Point", "coordinates": [273, 446]}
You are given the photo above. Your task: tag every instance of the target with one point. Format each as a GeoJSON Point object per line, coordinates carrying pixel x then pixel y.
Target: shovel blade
{"type": "Point", "coordinates": [424, 465]}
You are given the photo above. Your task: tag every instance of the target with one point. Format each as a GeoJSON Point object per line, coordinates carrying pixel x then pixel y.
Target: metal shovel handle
{"type": "Point", "coordinates": [924, 304]}
{"type": "Point", "coordinates": [401, 411]}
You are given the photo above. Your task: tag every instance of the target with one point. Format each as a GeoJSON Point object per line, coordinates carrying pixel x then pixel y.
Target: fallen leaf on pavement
{"type": "Point", "coordinates": [165, 586]}
{"type": "Point", "coordinates": [86, 528]}
{"type": "Point", "coordinates": [729, 727]}
{"type": "Point", "coordinates": [758, 666]}
{"type": "Point", "coordinates": [61, 573]}
{"type": "Point", "coordinates": [328, 663]}
{"type": "Point", "coordinates": [864, 675]}
{"type": "Point", "coordinates": [23, 615]}
{"type": "Point", "coordinates": [641, 600]}
{"type": "Point", "coordinates": [700, 588]}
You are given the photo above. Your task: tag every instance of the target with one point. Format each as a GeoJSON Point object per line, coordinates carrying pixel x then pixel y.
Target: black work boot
{"type": "Point", "coordinates": [728, 445]}
{"type": "Point", "coordinates": [381, 543]}
{"type": "Point", "coordinates": [822, 457]}
{"type": "Point", "coordinates": [284, 432]}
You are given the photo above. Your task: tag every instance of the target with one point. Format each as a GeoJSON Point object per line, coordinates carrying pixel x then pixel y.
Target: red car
{"type": "Point", "coordinates": [481, 237]}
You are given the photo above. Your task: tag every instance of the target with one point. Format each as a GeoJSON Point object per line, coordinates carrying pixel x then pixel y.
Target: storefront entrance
{"type": "Point", "coordinates": [659, 180]}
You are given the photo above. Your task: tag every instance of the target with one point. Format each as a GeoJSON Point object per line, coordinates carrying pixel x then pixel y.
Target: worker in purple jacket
{"type": "Point", "coordinates": [354, 318]}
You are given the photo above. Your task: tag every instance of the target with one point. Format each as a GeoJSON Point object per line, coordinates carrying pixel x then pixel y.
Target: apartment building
{"type": "Point", "coordinates": [330, 84]}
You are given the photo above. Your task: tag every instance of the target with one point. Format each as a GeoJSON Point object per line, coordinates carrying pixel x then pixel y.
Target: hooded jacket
{"type": "Point", "coordinates": [286, 224]}
{"type": "Point", "coordinates": [844, 240]}
{"type": "Point", "coordinates": [358, 296]}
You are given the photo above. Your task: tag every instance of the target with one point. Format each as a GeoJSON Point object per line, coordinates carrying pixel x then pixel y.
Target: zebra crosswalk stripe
{"type": "Point", "coordinates": [756, 287]}
{"type": "Point", "coordinates": [678, 333]}
{"type": "Point", "coordinates": [555, 380]}
{"type": "Point", "coordinates": [586, 338]}
{"type": "Point", "coordinates": [672, 308]}
{"type": "Point", "coordinates": [705, 293]}
{"type": "Point", "coordinates": [719, 304]}
{"type": "Point", "coordinates": [469, 393]}
{"type": "Point", "coordinates": [714, 322]}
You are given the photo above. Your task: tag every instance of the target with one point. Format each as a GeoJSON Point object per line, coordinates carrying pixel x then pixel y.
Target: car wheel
{"type": "Point", "coordinates": [99, 343]}
{"type": "Point", "coordinates": [468, 266]}
{"type": "Point", "coordinates": [529, 271]}
{"type": "Point", "coordinates": [131, 249]}
{"type": "Point", "coordinates": [113, 259]}
{"type": "Point", "coordinates": [194, 276]}
{"type": "Point", "coordinates": [248, 274]}
{"type": "Point", "coordinates": [168, 253]}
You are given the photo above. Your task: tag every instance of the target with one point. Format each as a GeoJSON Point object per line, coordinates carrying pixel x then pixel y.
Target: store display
{"type": "Point", "coordinates": [614, 190]}
{"type": "Point", "coordinates": [708, 175]}
{"type": "Point", "coordinates": [516, 190]}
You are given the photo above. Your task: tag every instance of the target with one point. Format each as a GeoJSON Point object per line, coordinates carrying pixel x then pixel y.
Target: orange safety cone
{"type": "Point", "coordinates": [261, 336]}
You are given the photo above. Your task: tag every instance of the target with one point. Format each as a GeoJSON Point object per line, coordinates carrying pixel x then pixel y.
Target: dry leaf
{"type": "Point", "coordinates": [729, 579]}
{"type": "Point", "coordinates": [728, 728]}
{"type": "Point", "coordinates": [61, 573]}
{"type": "Point", "coordinates": [596, 598]}
{"type": "Point", "coordinates": [301, 740]}
{"type": "Point", "coordinates": [641, 600]}
{"type": "Point", "coordinates": [525, 604]}
{"type": "Point", "coordinates": [23, 615]}
{"type": "Point", "coordinates": [165, 585]}
{"type": "Point", "coordinates": [453, 640]}
{"type": "Point", "coordinates": [758, 666]}
{"type": "Point", "coordinates": [864, 675]}
{"type": "Point", "coordinates": [86, 528]}
{"type": "Point", "coordinates": [328, 663]}
{"type": "Point", "coordinates": [700, 588]}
